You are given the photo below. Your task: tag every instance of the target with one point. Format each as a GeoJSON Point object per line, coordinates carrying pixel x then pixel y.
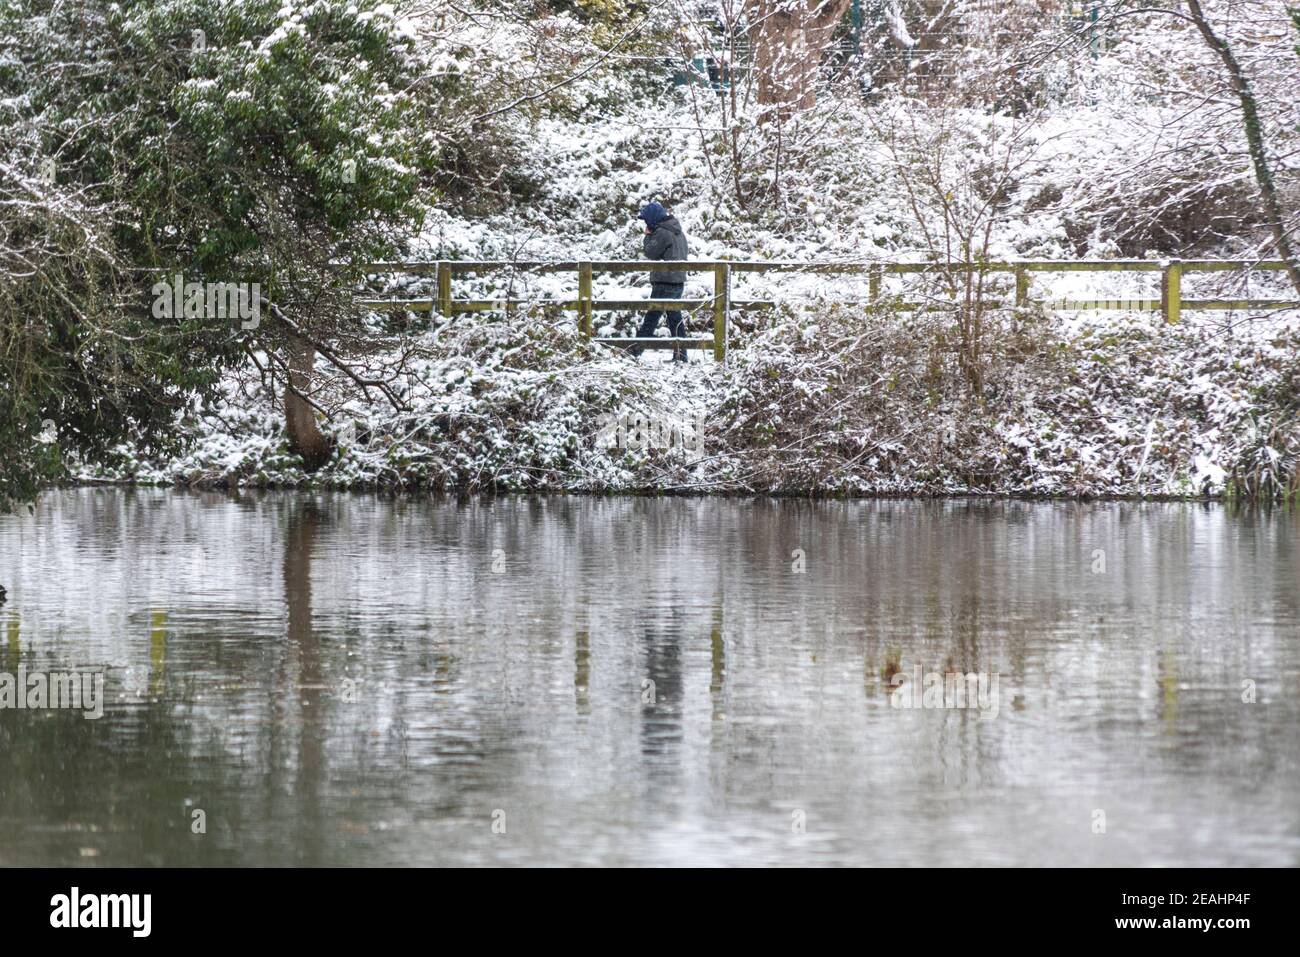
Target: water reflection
{"type": "Point", "coordinates": [357, 679]}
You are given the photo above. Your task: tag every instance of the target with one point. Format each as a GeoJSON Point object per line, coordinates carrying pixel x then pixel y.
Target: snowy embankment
{"type": "Point", "coordinates": [822, 396]}
{"type": "Point", "coordinates": [823, 401]}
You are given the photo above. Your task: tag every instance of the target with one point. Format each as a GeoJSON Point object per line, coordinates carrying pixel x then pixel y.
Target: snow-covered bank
{"type": "Point", "coordinates": [816, 398]}
{"type": "Point", "coordinates": [825, 401]}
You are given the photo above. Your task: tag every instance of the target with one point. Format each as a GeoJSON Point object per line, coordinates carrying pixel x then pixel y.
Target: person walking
{"type": "Point", "coordinates": [664, 240]}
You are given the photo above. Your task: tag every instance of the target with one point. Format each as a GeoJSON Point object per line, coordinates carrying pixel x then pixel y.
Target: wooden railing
{"type": "Point", "coordinates": [1171, 303]}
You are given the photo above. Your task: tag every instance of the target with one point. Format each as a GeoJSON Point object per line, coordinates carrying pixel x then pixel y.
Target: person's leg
{"type": "Point", "coordinates": [651, 321]}
{"type": "Point", "coordinates": [647, 330]}
{"type": "Point", "coordinates": [677, 324]}
{"type": "Point", "coordinates": [649, 324]}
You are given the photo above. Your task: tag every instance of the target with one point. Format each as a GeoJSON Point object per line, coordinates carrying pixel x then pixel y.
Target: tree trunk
{"type": "Point", "coordinates": [1254, 141]}
{"type": "Point", "coordinates": [305, 437]}
{"type": "Point", "coordinates": [789, 38]}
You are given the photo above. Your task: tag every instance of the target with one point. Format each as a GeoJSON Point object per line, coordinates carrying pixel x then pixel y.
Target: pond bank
{"type": "Point", "coordinates": [836, 404]}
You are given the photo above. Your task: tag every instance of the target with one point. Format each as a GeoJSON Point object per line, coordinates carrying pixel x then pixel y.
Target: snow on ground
{"type": "Point", "coordinates": [822, 396]}
{"type": "Point", "coordinates": [828, 404]}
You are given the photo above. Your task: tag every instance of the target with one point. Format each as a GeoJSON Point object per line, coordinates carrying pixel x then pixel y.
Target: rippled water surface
{"type": "Point", "coordinates": [342, 679]}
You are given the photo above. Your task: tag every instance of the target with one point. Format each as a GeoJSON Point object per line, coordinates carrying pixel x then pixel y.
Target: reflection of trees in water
{"type": "Point", "coordinates": [253, 726]}
{"type": "Point", "coordinates": [112, 790]}
{"type": "Point", "coordinates": [718, 661]}
{"type": "Point", "coordinates": [661, 721]}
{"type": "Point", "coordinates": [306, 723]}
{"type": "Point", "coordinates": [582, 671]}
{"type": "Point", "coordinates": [12, 646]}
{"type": "Point", "coordinates": [335, 774]}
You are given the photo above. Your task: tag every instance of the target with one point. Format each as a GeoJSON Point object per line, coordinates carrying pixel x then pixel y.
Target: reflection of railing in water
{"type": "Point", "coordinates": [1171, 303]}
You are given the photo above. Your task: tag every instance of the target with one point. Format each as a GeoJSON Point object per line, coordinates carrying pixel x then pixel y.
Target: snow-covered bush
{"type": "Point", "coordinates": [845, 403]}
{"type": "Point", "coordinates": [822, 401]}
{"type": "Point", "coordinates": [493, 404]}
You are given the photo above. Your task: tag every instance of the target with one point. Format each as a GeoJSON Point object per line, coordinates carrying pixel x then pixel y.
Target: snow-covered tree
{"type": "Point", "coordinates": [253, 143]}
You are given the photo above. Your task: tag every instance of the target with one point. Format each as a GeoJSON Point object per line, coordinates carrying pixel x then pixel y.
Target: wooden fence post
{"type": "Point", "coordinates": [444, 288]}
{"type": "Point", "coordinates": [584, 298]}
{"type": "Point", "coordinates": [721, 282]}
{"type": "Point", "coordinates": [1171, 290]}
{"type": "Point", "coordinates": [873, 282]}
{"type": "Point", "coordinates": [1022, 286]}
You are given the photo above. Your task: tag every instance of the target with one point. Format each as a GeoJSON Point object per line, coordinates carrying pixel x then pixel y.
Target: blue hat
{"type": "Point", "coordinates": [653, 214]}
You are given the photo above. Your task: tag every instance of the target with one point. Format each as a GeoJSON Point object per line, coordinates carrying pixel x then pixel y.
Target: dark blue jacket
{"type": "Point", "coordinates": [666, 241]}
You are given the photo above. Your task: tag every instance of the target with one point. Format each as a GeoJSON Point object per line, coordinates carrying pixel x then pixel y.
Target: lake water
{"type": "Point", "coordinates": [348, 679]}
